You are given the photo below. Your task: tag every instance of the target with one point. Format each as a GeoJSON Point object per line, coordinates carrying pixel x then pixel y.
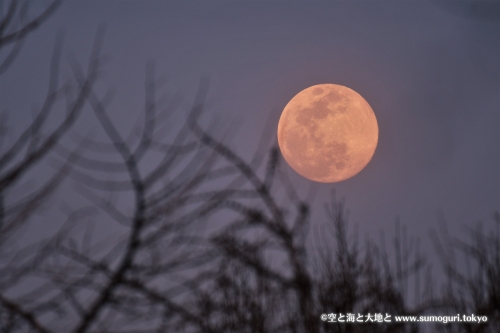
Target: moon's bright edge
{"type": "Point", "coordinates": [328, 133]}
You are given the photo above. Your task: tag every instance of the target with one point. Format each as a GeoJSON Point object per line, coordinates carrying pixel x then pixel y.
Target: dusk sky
{"type": "Point", "coordinates": [429, 70]}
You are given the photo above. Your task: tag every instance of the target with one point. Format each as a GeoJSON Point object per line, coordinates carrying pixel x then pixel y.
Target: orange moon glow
{"type": "Point", "coordinates": [328, 133]}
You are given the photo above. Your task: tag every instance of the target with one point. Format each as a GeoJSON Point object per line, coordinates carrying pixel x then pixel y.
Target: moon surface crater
{"type": "Point", "coordinates": [328, 133]}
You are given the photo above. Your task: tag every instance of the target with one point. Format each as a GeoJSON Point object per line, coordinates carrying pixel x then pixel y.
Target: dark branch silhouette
{"type": "Point", "coordinates": [15, 26]}
{"type": "Point", "coordinates": [176, 231]}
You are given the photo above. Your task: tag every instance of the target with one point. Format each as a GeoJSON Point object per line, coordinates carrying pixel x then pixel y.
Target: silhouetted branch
{"type": "Point", "coordinates": [473, 288]}
{"type": "Point", "coordinates": [193, 237]}
{"type": "Point", "coordinates": [29, 317]}
{"type": "Point", "coordinates": [14, 27]}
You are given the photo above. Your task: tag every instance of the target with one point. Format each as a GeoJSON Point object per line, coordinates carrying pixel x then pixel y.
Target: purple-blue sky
{"type": "Point", "coordinates": [430, 71]}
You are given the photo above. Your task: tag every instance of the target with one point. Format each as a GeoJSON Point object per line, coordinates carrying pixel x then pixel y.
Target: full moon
{"type": "Point", "coordinates": [328, 133]}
